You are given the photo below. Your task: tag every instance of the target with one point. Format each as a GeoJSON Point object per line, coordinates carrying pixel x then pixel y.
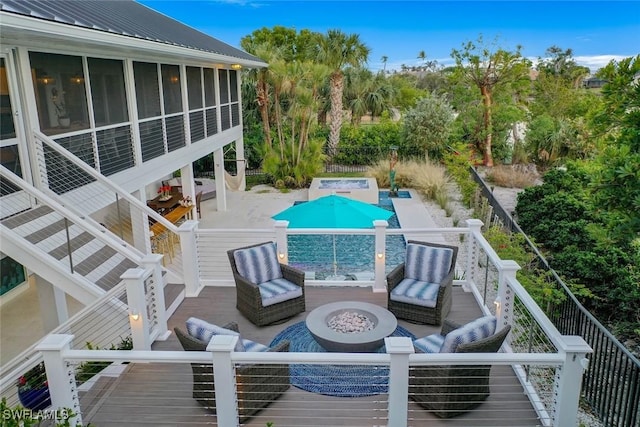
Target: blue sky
{"type": "Point", "coordinates": [597, 31]}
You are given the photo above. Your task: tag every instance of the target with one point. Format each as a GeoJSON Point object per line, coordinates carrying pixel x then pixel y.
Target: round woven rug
{"type": "Point", "coordinates": [334, 380]}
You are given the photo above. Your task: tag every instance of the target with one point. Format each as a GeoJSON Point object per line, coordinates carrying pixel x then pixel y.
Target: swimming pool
{"type": "Point", "coordinates": [313, 253]}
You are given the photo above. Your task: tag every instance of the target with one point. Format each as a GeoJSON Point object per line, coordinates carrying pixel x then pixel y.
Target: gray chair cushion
{"type": "Point", "coordinates": [278, 290]}
{"type": "Point", "coordinates": [415, 292]}
{"type": "Point", "coordinates": [426, 263]}
{"type": "Point", "coordinates": [258, 264]}
{"type": "Point", "coordinates": [204, 331]}
{"type": "Point", "coordinates": [473, 331]}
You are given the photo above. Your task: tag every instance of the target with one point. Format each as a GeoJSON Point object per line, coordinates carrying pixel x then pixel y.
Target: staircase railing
{"type": "Point", "coordinates": [53, 233]}
{"type": "Point", "coordinates": [65, 171]}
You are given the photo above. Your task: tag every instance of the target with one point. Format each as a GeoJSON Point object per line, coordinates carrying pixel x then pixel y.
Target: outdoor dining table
{"type": "Point", "coordinates": [159, 205]}
{"type": "Point", "coordinates": [173, 217]}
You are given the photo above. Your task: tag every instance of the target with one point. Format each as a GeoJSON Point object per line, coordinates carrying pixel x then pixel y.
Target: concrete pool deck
{"type": "Point", "coordinates": [261, 202]}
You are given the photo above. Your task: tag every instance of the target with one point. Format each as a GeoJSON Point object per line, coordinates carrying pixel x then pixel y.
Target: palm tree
{"type": "Point", "coordinates": [336, 50]}
{"type": "Point", "coordinates": [384, 60]}
{"type": "Point", "coordinates": [422, 55]}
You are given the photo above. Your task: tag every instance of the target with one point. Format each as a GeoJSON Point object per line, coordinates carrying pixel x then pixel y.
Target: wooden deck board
{"type": "Point", "coordinates": [160, 394]}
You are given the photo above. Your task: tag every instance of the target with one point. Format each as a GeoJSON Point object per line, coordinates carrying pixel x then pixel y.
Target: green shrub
{"type": "Point", "coordinates": [458, 160]}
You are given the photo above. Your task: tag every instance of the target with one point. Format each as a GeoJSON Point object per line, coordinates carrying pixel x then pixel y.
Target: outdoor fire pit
{"type": "Point", "coordinates": [351, 326]}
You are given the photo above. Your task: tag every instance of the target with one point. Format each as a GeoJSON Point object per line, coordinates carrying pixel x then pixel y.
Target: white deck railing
{"type": "Point", "coordinates": [548, 365]}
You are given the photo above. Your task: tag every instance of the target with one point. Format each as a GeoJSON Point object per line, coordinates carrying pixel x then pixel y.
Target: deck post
{"type": "Point", "coordinates": [281, 241]}
{"type": "Point", "coordinates": [475, 227]}
{"type": "Point", "coordinates": [60, 375]}
{"type": "Point", "coordinates": [379, 257]}
{"type": "Point", "coordinates": [224, 383]}
{"type": "Point", "coordinates": [507, 269]}
{"type": "Point", "coordinates": [153, 262]}
{"type": "Point", "coordinates": [137, 301]}
{"type": "Point", "coordinates": [568, 381]}
{"type": "Point", "coordinates": [190, 266]}
{"type": "Point", "coordinates": [399, 348]}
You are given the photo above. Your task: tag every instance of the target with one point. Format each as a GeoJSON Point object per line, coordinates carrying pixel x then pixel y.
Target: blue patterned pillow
{"type": "Point", "coordinates": [473, 331]}
{"type": "Point", "coordinates": [258, 264]}
{"type": "Point", "coordinates": [426, 263]}
{"type": "Point", "coordinates": [204, 331]}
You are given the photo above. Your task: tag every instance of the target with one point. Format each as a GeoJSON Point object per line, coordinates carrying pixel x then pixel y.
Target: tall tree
{"type": "Point", "coordinates": [384, 60]}
{"type": "Point", "coordinates": [617, 185]}
{"type": "Point", "coordinates": [489, 69]}
{"type": "Point", "coordinates": [337, 50]}
{"type": "Point", "coordinates": [422, 56]}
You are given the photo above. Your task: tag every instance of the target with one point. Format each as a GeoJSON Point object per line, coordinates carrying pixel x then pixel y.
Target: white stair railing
{"type": "Point", "coordinates": [99, 200]}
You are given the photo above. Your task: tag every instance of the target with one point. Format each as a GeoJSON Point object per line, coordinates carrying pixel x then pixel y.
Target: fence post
{"type": "Point", "coordinates": [475, 226]}
{"type": "Point", "coordinates": [153, 262]}
{"type": "Point", "coordinates": [137, 302]}
{"type": "Point", "coordinates": [507, 269]}
{"type": "Point", "coordinates": [568, 381]}
{"type": "Point", "coordinates": [399, 348]}
{"type": "Point", "coordinates": [60, 376]}
{"type": "Point", "coordinates": [379, 285]}
{"type": "Point", "coordinates": [190, 266]}
{"type": "Point", "coordinates": [221, 347]}
{"type": "Point", "coordinates": [281, 241]}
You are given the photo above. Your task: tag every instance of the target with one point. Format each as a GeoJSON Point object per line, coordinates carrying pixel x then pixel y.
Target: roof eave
{"type": "Point", "coordinates": [51, 29]}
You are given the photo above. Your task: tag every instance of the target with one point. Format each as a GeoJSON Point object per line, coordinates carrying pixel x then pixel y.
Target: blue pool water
{"type": "Point", "coordinates": [313, 253]}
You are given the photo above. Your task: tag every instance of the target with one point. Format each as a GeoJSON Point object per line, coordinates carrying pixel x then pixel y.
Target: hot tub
{"type": "Point", "coordinates": [363, 189]}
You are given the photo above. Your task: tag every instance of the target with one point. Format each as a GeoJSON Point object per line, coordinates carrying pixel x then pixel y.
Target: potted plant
{"type": "Point", "coordinates": [33, 389]}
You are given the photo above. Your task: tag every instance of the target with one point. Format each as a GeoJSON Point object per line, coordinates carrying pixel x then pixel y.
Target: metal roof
{"type": "Point", "coordinates": [123, 17]}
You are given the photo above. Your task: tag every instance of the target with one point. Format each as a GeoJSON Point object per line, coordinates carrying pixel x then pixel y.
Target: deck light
{"type": "Point", "coordinates": [380, 255]}
{"type": "Point", "coordinates": [134, 315]}
{"type": "Point", "coordinates": [280, 255]}
{"type": "Point", "coordinates": [236, 66]}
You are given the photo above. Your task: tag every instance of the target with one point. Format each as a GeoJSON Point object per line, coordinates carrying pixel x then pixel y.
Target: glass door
{"type": "Point", "coordinates": [12, 200]}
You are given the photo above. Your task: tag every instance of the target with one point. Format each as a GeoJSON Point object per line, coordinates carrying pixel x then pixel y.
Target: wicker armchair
{"type": "Point", "coordinates": [449, 391]}
{"type": "Point", "coordinates": [249, 300]}
{"type": "Point", "coordinates": [418, 313]}
{"type": "Point", "coordinates": [258, 385]}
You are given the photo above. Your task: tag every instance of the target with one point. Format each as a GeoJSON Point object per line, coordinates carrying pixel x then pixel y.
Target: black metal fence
{"type": "Point", "coordinates": [611, 385]}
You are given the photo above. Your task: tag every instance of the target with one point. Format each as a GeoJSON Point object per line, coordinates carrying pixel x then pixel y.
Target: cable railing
{"type": "Point", "coordinates": [169, 388]}
{"type": "Point", "coordinates": [52, 232]}
{"type": "Point", "coordinates": [613, 366]}
{"type": "Point", "coordinates": [72, 178]}
{"type": "Point", "coordinates": [103, 324]}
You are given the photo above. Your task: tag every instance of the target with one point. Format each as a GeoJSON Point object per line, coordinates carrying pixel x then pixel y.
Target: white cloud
{"type": "Point", "coordinates": [595, 62]}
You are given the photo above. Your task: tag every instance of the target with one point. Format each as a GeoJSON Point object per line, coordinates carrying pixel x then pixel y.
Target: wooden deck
{"type": "Point", "coordinates": [160, 394]}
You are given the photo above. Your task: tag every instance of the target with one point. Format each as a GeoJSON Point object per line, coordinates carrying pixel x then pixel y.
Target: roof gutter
{"type": "Point", "coordinates": [51, 29]}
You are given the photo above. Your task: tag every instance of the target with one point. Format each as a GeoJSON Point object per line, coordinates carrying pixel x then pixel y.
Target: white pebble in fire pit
{"type": "Point", "coordinates": [350, 322]}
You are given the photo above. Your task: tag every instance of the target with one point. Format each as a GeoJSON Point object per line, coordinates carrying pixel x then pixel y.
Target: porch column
{"type": "Point", "coordinates": [52, 314]}
{"type": "Point", "coordinates": [379, 257]}
{"type": "Point", "coordinates": [241, 163]}
{"type": "Point", "coordinates": [60, 375]}
{"type": "Point", "coordinates": [140, 224]}
{"type": "Point", "coordinates": [190, 266]}
{"type": "Point", "coordinates": [399, 348]}
{"type": "Point", "coordinates": [188, 183]}
{"type": "Point", "coordinates": [221, 189]}
{"type": "Point", "coordinates": [221, 347]}
{"type": "Point", "coordinates": [569, 380]}
{"type": "Point", "coordinates": [136, 300]}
